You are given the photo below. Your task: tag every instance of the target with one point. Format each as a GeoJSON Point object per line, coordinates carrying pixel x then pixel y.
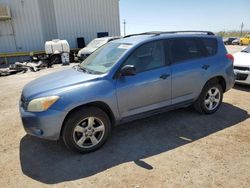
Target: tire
{"type": "Point", "coordinates": [55, 59]}
{"type": "Point", "coordinates": [86, 130]}
{"type": "Point", "coordinates": [203, 103]}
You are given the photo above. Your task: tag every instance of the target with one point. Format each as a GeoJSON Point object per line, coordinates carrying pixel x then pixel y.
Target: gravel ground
{"type": "Point", "coordinates": [176, 149]}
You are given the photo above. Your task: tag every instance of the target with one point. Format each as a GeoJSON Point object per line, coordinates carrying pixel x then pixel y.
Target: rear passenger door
{"type": "Point", "coordinates": [188, 67]}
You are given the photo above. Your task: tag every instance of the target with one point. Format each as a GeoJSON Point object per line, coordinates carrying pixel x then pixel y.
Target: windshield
{"type": "Point", "coordinates": [103, 59]}
{"type": "Point", "coordinates": [247, 50]}
{"type": "Point", "coordinates": [97, 43]}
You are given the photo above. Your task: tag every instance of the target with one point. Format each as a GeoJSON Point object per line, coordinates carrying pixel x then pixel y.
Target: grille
{"type": "Point", "coordinates": [241, 76]}
{"type": "Point", "coordinates": [242, 68]}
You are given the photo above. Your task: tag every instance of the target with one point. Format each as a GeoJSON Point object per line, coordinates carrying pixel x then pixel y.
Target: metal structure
{"type": "Point", "coordinates": [33, 22]}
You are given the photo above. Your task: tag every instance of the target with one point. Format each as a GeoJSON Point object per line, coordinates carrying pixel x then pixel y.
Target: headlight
{"type": "Point", "coordinates": [41, 104]}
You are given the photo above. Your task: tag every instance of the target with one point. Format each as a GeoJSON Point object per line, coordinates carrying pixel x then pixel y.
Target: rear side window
{"type": "Point", "coordinates": [210, 45]}
{"type": "Point", "coordinates": [185, 49]}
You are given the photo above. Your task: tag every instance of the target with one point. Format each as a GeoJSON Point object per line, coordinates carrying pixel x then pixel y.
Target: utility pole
{"type": "Point", "coordinates": [241, 28]}
{"type": "Point", "coordinates": [124, 27]}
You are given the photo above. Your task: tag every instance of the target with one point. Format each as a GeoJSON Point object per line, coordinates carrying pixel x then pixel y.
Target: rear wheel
{"type": "Point", "coordinates": [86, 130]}
{"type": "Point", "coordinates": [210, 98]}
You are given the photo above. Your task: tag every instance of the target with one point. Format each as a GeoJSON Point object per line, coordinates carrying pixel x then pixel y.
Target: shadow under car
{"type": "Point", "coordinates": [50, 162]}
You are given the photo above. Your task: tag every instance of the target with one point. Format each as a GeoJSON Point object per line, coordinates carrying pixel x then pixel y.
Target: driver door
{"type": "Point", "coordinates": [150, 88]}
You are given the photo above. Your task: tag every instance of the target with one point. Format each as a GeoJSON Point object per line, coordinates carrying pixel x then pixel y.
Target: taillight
{"type": "Point", "coordinates": [230, 57]}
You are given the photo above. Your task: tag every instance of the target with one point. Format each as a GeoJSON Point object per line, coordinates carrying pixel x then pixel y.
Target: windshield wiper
{"type": "Point", "coordinates": [88, 70]}
{"type": "Point", "coordinates": [245, 51]}
{"type": "Point", "coordinates": [83, 69]}
{"type": "Point", "coordinates": [78, 68]}
{"type": "Point", "coordinates": [91, 71]}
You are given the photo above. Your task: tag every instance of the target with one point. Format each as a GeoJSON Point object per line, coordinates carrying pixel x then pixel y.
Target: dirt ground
{"type": "Point", "coordinates": [176, 149]}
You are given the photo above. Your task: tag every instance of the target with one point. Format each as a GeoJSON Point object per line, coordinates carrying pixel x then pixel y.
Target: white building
{"type": "Point", "coordinates": [32, 22]}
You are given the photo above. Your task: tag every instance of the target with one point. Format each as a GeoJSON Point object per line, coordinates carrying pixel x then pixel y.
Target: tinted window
{"type": "Point", "coordinates": [210, 45]}
{"type": "Point", "coordinates": [184, 49]}
{"type": "Point", "coordinates": [149, 56]}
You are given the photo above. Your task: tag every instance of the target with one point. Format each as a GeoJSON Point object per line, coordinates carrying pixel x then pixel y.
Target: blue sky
{"type": "Point", "coordinates": [164, 15]}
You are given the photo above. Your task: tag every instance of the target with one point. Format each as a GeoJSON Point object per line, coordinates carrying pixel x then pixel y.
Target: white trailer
{"type": "Point", "coordinates": [58, 51]}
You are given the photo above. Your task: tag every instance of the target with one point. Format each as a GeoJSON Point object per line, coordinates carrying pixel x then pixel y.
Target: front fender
{"type": "Point", "coordinates": [97, 91]}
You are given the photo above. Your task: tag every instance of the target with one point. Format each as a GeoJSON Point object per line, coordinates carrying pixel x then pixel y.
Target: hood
{"type": "Point", "coordinates": [86, 51]}
{"type": "Point", "coordinates": [56, 82]}
{"type": "Point", "coordinates": [242, 59]}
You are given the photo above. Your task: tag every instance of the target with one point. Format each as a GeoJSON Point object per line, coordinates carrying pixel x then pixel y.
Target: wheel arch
{"type": "Point", "coordinates": [218, 79]}
{"type": "Point", "coordinates": [98, 104]}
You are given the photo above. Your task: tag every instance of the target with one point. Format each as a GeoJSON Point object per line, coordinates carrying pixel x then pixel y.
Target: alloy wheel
{"type": "Point", "coordinates": [212, 98]}
{"type": "Point", "coordinates": [88, 132]}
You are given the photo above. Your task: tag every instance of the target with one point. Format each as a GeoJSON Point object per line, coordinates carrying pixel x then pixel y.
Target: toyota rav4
{"type": "Point", "coordinates": [126, 79]}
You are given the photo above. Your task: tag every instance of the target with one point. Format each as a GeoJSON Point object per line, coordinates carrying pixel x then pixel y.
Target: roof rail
{"type": "Point", "coordinates": [136, 35]}
{"type": "Point", "coordinates": [173, 32]}
{"type": "Point", "coordinates": [155, 33]}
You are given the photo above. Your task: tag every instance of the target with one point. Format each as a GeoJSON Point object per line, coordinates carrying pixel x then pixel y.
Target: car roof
{"type": "Point", "coordinates": [140, 38]}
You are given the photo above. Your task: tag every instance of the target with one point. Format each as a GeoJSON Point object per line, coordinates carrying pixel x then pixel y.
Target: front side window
{"type": "Point", "coordinates": [184, 49]}
{"type": "Point", "coordinates": [148, 56]}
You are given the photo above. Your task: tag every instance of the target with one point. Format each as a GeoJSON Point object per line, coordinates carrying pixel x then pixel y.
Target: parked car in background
{"type": "Point", "coordinates": [127, 79]}
{"type": "Point", "coordinates": [245, 40]}
{"type": "Point", "coordinates": [236, 41]}
{"type": "Point", "coordinates": [228, 41]}
{"type": "Point", "coordinates": [242, 66]}
{"type": "Point", "coordinates": [94, 45]}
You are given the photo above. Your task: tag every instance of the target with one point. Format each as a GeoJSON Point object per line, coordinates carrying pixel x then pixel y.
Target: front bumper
{"type": "Point", "coordinates": [242, 76]}
{"type": "Point", "coordinates": [45, 124]}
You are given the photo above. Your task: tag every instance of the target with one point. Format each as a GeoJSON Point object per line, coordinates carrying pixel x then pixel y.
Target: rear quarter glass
{"type": "Point", "coordinates": [211, 46]}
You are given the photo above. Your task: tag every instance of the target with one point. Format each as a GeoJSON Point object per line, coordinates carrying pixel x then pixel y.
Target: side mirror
{"type": "Point", "coordinates": [128, 70]}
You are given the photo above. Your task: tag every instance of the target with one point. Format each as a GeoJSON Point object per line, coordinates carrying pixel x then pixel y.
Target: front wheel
{"type": "Point", "coordinates": [86, 130]}
{"type": "Point", "coordinates": [210, 98]}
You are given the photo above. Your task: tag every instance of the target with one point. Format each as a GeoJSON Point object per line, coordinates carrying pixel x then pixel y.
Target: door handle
{"type": "Point", "coordinates": [164, 76]}
{"type": "Point", "coordinates": [205, 67]}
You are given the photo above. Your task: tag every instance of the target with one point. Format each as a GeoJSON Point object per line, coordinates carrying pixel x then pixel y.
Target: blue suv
{"type": "Point", "coordinates": [126, 79]}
